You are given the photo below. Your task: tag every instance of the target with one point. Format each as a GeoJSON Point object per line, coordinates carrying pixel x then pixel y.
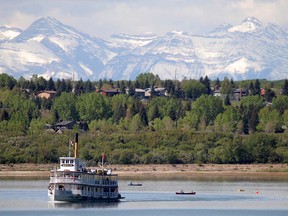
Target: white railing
{"type": "Point", "coordinates": [83, 181]}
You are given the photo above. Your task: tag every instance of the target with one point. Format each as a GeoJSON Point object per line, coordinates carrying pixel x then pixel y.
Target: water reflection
{"type": "Point", "coordinates": [83, 205]}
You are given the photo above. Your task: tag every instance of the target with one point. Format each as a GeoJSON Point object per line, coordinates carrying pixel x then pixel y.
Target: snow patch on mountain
{"type": "Point", "coordinates": [248, 25]}
{"type": "Point", "coordinates": [8, 33]}
{"type": "Point", "coordinates": [88, 71]}
{"type": "Point", "coordinates": [65, 43]}
{"type": "Point", "coordinates": [127, 41]}
{"type": "Point", "coordinates": [242, 66]}
{"type": "Point", "coordinates": [37, 38]}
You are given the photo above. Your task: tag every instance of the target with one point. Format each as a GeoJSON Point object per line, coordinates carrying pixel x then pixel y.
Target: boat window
{"type": "Point", "coordinates": [71, 161]}
{"type": "Point", "coordinates": [67, 161]}
{"type": "Point", "coordinates": [63, 161]}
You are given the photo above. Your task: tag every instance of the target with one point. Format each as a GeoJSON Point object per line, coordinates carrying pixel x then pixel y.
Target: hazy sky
{"type": "Point", "coordinates": [101, 18]}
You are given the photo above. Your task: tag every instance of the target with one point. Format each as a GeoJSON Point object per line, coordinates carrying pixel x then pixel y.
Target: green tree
{"type": "Point", "coordinates": [119, 107]}
{"type": "Point", "coordinates": [136, 123]}
{"type": "Point", "coordinates": [154, 112]}
{"type": "Point", "coordinates": [145, 80]}
{"type": "Point", "coordinates": [229, 119]}
{"type": "Point", "coordinates": [207, 107]}
{"type": "Point", "coordinates": [65, 107]}
{"type": "Point", "coordinates": [193, 89]}
{"type": "Point", "coordinates": [269, 120]}
{"type": "Point", "coordinates": [226, 86]}
{"type": "Point", "coordinates": [93, 106]}
{"type": "Point", "coordinates": [280, 103]}
{"type": "Point", "coordinates": [7, 81]}
{"type": "Point", "coordinates": [261, 147]}
{"type": "Point", "coordinates": [250, 107]}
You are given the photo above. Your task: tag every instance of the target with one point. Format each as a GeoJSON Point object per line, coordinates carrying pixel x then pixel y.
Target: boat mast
{"type": "Point", "coordinates": [102, 163]}
{"type": "Point", "coordinates": [76, 146]}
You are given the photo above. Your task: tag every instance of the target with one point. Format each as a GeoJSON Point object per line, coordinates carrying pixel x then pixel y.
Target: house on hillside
{"type": "Point", "coordinates": [140, 93]}
{"type": "Point", "coordinates": [217, 93]}
{"type": "Point", "coordinates": [109, 92]}
{"type": "Point", "coordinates": [64, 125]}
{"type": "Point", "coordinates": [158, 91]}
{"type": "Point", "coordinates": [239, 93]}
{"type": "Point", "coordinates": [47, 94]}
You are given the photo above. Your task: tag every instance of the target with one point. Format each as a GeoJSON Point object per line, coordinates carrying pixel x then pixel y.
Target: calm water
{"type": "Point", "coordinates": [155, 197]}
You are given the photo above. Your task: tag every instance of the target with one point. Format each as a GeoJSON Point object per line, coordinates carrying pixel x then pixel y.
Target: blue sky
{"type": "Point", "coordinates": [101, 18]}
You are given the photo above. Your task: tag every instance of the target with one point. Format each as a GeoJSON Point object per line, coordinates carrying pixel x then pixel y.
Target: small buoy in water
{"type": "Point", "coordinates": [257, 192]}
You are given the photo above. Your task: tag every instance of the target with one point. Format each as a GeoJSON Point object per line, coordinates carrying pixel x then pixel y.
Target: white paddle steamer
{"type": "Point", "coordinates": [73, 182]}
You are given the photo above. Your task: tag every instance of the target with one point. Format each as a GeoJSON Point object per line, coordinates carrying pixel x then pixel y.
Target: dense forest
{"type": "Point", "coordinates": [188, 125]}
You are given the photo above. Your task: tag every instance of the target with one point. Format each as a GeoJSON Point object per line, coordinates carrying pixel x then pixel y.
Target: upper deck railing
{"type": "Point", "coordinates": [86, 181]}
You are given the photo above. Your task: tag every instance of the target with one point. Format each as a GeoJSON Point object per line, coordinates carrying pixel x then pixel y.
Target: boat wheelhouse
{"type": "Point", "coordinates": [73, 182]}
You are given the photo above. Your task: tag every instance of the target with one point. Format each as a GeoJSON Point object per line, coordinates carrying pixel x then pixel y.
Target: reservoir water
{"type": "Point", "coordinates": [154, 197]}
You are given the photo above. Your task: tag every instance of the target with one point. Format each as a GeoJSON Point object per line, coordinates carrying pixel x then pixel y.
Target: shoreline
{"type": "Point", "coordinates": [166, 171]}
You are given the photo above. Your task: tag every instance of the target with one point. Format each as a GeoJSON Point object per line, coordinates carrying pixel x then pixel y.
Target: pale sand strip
{"type": "Point", "coordinates": [253, 171]}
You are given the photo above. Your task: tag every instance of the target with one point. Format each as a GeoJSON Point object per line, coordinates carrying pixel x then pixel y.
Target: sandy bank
{"type": "Point", "coordinates": [210, 171]}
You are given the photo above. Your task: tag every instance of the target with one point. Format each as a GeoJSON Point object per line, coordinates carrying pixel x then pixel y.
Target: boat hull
{"type": "Point", "coordinates": [135, 185]}
{"type": "Point", "coordinates": [68, 196]}
{"type": "Point", "coordinates": [182, 193]}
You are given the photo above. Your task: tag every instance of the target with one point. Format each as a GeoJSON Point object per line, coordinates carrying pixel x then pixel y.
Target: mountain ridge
{"type": "Point", "coordinates": [50, 48]}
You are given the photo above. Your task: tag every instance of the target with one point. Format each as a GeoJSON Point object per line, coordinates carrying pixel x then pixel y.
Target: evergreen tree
{"type": "Point", "coordinates": [253, 118]}
{"type": "Point", "coordinates": [143, 115]}
{"type": "Point", "coordinates": [217, 84]}
{"type": "Point", "coordinates": [137, 84]}
{"type": "Point", "coordinates": [88, 87]}
{"type": "Point", "coordinates": [131, 91]}
{"type": "Point", "coordinates": [232, 83]}
{"type": "Point", "coordinates": [146, 84]}
{"type": "Point", "coordinates": [79, 87]}
{"type": "Point", "coordinates": [100, 84]}
{"type": "Point", "coordinates": [60, 86]}
{"type": "Point", "coordinates": [206, 83]}
{"type": "Point", "coordinates": [122, 87]}
{"type": "Point", "coordinates": [226, 87]}
{"type": "Point", "coordinates": [201, 80]}
{"type": "Point", "coordinates": [68, 86]}
{"type": "Point", "coordinates": [50, 85]}
{"type": "Point", "coordinates": [245, 119]}
{"type": "Point", "coordinates": [111, 83]}
{"type": "Point", "coordinates": [155, 112]}
{"type": "Point", "coordinates": [270, 94]}
{"type": "Point", "coordinates": [285, 88]}
{"type": "Point", "coordinates": [251, 88]}
{"type": "Point", "coordinates": [257, 88]}
{"type": "Point", "coordinates": [118, 84]}
{"type": "Point", "coordinates": [169, 86]}
{"type": "Point", "coordinates": [4, 115]}
{"type": "Point", "coordinates": [227, 101]}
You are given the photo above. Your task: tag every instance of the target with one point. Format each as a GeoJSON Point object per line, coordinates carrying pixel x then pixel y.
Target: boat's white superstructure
{"type": "Point", "coordinates": [73, 182]}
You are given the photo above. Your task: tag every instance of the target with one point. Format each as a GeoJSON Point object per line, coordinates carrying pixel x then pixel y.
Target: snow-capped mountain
{"type": "Point", "coordinates": [8, 33]}
{"type": "Point", "coordinates": [50, 48]}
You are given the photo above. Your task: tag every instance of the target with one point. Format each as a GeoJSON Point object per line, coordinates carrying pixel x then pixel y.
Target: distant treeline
{"type": "Point", "coordinates": [190, 125]}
